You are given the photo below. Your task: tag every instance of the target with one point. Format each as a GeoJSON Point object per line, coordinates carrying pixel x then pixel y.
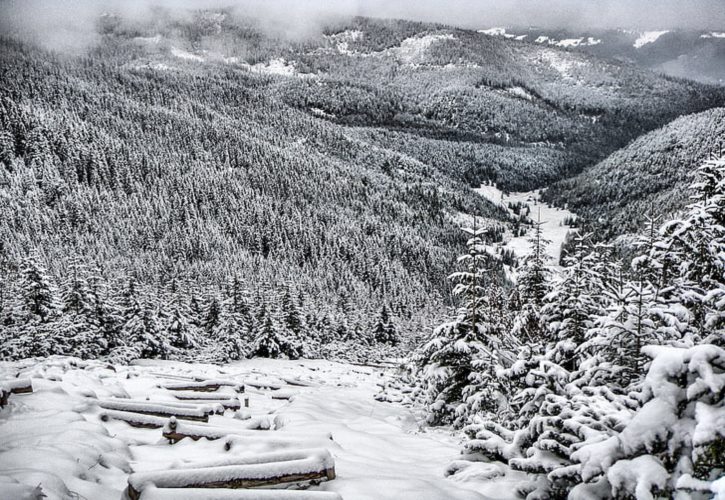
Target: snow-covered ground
{"type": "Point", "coordinates": [648, 37]}
{"type": "Point", "coordinates": [413, 50]}
{"type": "Point", "coordinates": [553, 219]}
{"type": "Point", "coordinates": [54, 438]}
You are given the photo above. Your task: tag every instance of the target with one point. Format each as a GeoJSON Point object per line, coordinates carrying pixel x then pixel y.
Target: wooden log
{"type": "Point", "coordinates": [153, 493]}
{"type": "Point", "coordinates": [298, 382]}
{"type": "Point", "coordinates": [288, 395]}
{"type": "Point", "coordinates": [202, 385]}
{"type": "Point", "coordinates": [18, 385]}
{"type": "Point", "coordinates": [265, 469]}
{"type": "Point", "coordinates": [231, 403]}
{"type": "Point", "coordinates": [175, 431]}
{"type": "Point", "coordinates": [134, 419]}
{"type": "Point", "coordinates": [200, 414]}
{"type": "Point", "coordinates": [13, 386]}
{"type": "Point", "coordinates": [263, 384]}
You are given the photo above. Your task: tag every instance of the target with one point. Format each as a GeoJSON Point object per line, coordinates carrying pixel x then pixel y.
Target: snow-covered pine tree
{"type": "Point", "coordinates": [674, 445]}
{"type": "Point", "coordinates": [573, 303]}
{"type": "Point", "coordinates": [271, 342]}
{"type": "Point", "coordinates": [38, 294]}
{"type": "Point", "coordinates": [384, 331]}
{"type": "Point", "coordinates": [233, 336]}
{"type": "Point", "coordinates": [212, 315]}
{"type": "Point", "coordinates": [78, 332]}
{"type": "Point", "coordinates": [696, 243]}
{"type": "Point", "coordinates": [458, 363]}
{"type": "Point", "coordinates": [532, 285]}
{"type": "Point", "coordinates": [37, 308]}
{"type": "Point", "coordinates": [179, 328]}
{"type": "Point", "coordinates": [140, 333]}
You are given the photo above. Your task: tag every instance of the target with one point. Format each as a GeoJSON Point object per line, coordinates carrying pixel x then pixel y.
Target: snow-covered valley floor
{"type": "Point", "coordinates": [554, 220]}
{"type": "Point", "coordinates": [55, 439]}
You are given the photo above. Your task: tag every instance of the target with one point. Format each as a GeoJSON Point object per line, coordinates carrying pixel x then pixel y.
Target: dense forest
{"type": "Point", "coordinates": [652, 172]}
{"type": "Point", "coordinates": [186, 156]}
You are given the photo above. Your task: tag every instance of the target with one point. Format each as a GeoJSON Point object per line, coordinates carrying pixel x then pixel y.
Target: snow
{"type": "Point", "coordinates": [648, 37]}
{"type": "Point", "coordinates": [554, 227]}
{"type": "Point", "coordinates": [278, 66]}
{"type": "Point", "coordinates": [153, 40]}
{"type": "Point", "coordinates": [342, 40]}
{"type": "Point", "coordinates": [567, 42]}
{"type": "Point", "coordinates": [520, 92]}
{"type": "Point", "coordinates": [496, 32]}
{"type": "Point", "coordinates": [561, 63]}
{"type": "Point", "coordinates": [412, 50]}
{"type": "Point", "coordinates": [182, 54]}
{"type": "Point", "coordinates": [207, 494]}
{"type": "Point", "coordinates": [713, 34]}
{"type": "Point", "coordinates": [640, 475]}
{"type": "Point", "coordinates": [55, 438]}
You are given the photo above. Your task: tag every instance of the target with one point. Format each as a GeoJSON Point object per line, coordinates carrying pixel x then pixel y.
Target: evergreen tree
{"type": "Point", "coordinates": [458, 363]}
{"type": "Point", "coordinates": [38, 293]}
{"type": "Point", "coordinates": [384, 331]}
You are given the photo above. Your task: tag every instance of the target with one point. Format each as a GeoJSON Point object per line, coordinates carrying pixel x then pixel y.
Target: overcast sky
{"type": "Point", "coordinates": [72, 22]}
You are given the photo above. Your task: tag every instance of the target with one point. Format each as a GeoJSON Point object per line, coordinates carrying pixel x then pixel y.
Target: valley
{"type": "Point", "coordinates": [265, 250]}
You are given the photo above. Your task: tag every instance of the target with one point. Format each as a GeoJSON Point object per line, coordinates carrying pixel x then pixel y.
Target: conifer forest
{"type": "Point", "coordinates": [362, 250]}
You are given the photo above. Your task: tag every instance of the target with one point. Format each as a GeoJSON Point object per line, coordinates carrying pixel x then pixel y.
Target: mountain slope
{"type": "Point", "coordinates": [649, 176]}
{"type": "Point", "coordinates": [697, 55]}
{"type": "Point", "coordinates": [199, 147]}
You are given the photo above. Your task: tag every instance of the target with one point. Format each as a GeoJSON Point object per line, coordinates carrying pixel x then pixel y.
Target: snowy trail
{"type": "Point", "coordinates": [380, 452]}
{"type": "Point", "coordinates": [55, 437]}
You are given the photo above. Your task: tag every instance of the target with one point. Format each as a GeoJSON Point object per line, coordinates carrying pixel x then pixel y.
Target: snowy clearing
{"type": "Point", "coordinates": [412, 50]}
{"type": "Point", "coordinates": [496, 32]}
{"type": "Point", "coordinates": [183, 54]}
{"type": "Point", "coordinates": [55, 439]}
{"type": "Point", "coordinates": [554, 219]}
{"type": "Point", "coordinates": [648, 37]}
{"type": "Point", "coordinates": [561, 62]}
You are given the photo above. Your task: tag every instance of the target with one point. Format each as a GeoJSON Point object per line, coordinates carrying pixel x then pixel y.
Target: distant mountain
{"type": "Point", "coordinates": [648, 177]}
{"type": "Point", "coordinates": [697, 55]}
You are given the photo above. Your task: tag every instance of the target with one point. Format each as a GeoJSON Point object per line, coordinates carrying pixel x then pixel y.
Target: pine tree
{"type": "Point", "coordinates": [696, 246]}
{"type": "Point", "coordinates": [458, 364]}
{"type": "Point", "coordinates": [39, 297]}
{"type": "Point", "coordinates": [269, 343]}
{"type": "Point", "coordinates": [571, 306]}
{"type": "Point", "coordinates": [384, 331]}
{"type": "Point", "coordinates": [212, 318]}
{"type": "Point", "coordinates": [180, 330]}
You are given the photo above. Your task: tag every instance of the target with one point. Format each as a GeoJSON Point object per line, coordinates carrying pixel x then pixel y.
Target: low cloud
{"type": "Point", "coordinates": [72, 25]}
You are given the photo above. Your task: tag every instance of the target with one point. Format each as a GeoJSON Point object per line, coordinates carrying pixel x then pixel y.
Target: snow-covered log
{"type": "Point", "coordinates": [286, 395]}
{"type": "Point", "coordinates": [203, 385]}
{"type": "Point", "coordinates": [214, 399]}
{"type": "Point", "coordinates": [263, 383]}
{"type": "Point", "coordinates": [175, 431]}
{"type": "Point", "coordinates": [153, 493]}
{"type": "Point", "coordinates": [187, 412]}
{"type": "Point", "coordinates": [14, 386]}
{"type": "Point", "coordinates": [242, 472]}
{"type": "Point", "coordinates": [135, 419]}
